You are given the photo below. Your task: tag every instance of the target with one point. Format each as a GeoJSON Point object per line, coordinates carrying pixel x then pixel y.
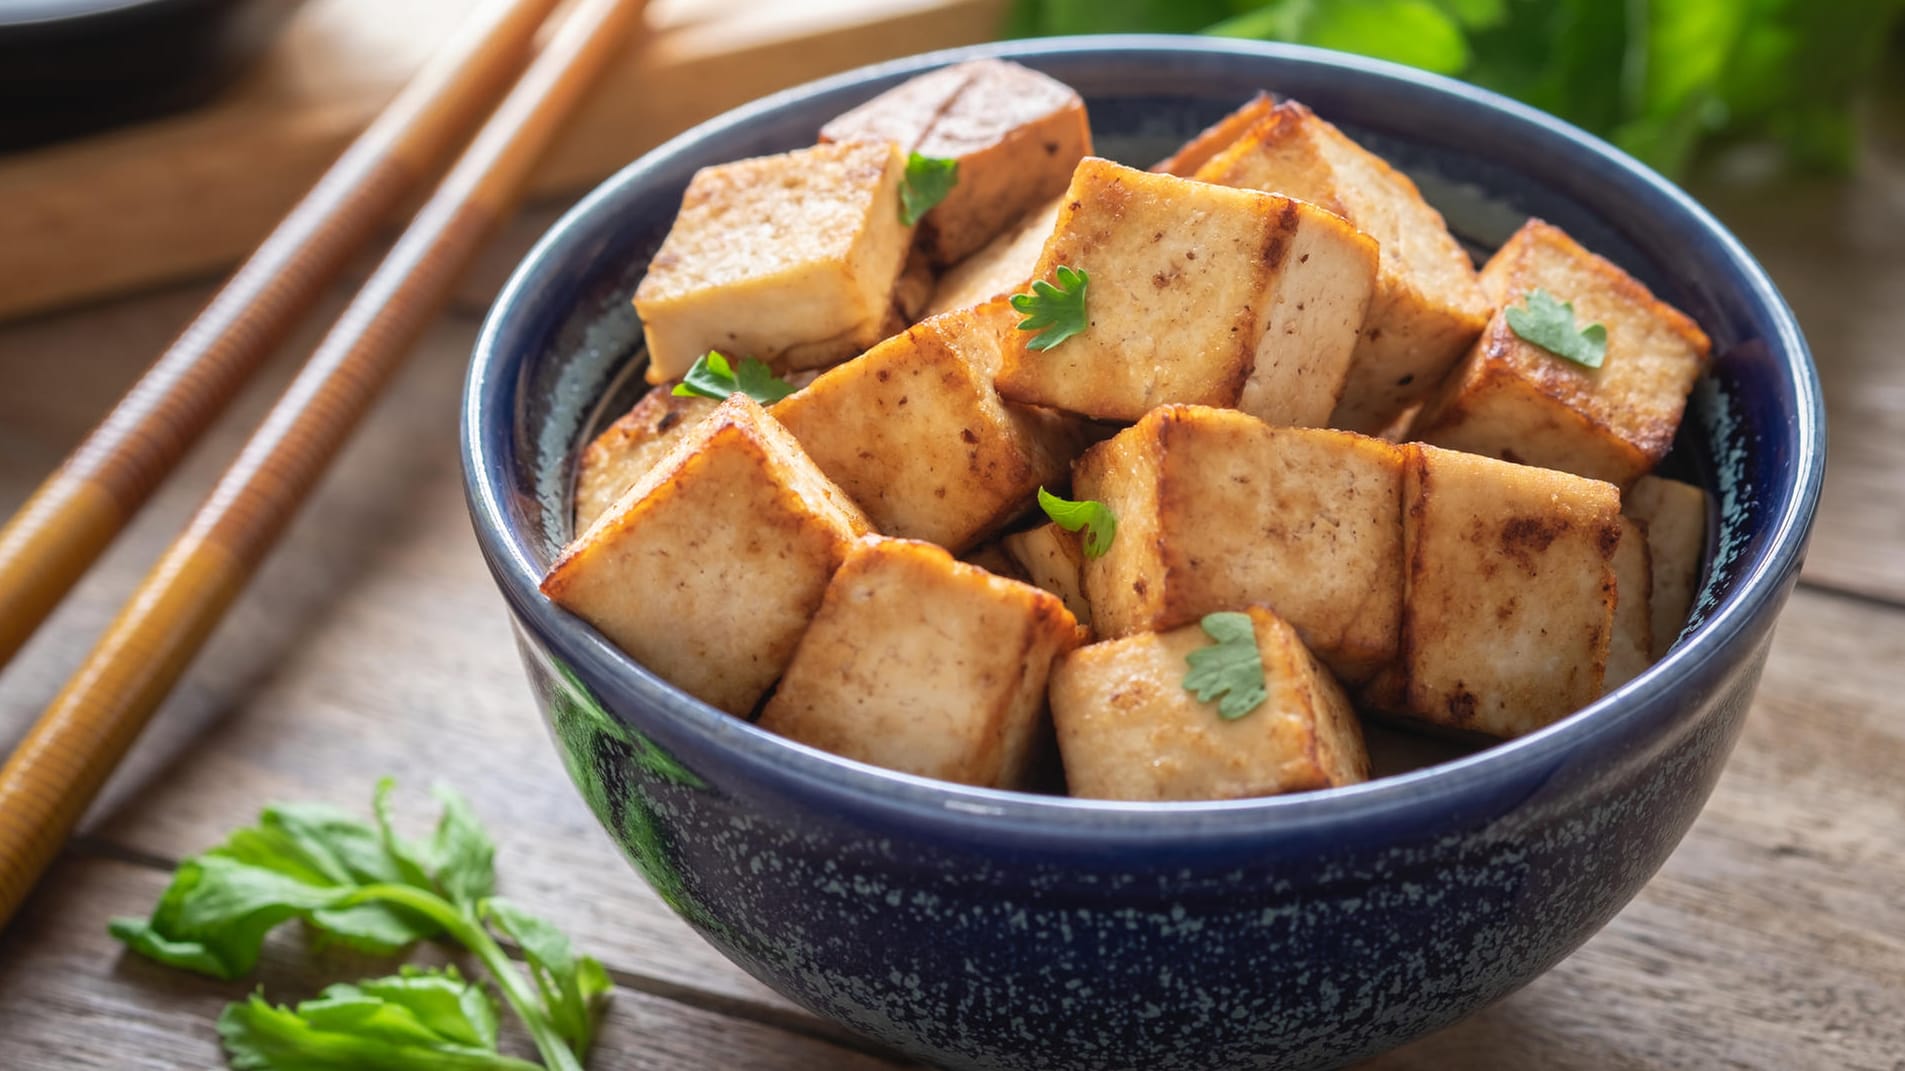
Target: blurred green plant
{"type": "Point", "coordinates": [1660, 78]}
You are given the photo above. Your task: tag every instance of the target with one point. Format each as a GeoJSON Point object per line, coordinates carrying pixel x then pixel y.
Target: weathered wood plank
{"type": "Point", "coordinates": [1836, 249]}
{"type": "Point", "coordinates": [70, 997]}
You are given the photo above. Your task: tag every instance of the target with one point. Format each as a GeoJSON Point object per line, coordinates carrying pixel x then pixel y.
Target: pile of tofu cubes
{"type": "Point", "coordinates": [1292, 390]}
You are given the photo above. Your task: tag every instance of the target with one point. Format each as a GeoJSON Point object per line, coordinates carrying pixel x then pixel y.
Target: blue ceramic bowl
{"type": "Point", "coordinates": [982, 929]}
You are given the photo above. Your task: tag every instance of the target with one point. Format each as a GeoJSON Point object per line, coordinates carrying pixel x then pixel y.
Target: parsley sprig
{"type": "Point", "coordinates": [928, 180]}
{"type": "Point", "coordinates": [360, 884]}
{"type": "Point", "coordinates": [1548, 322]}
{"type": "Point", "coordinates": [1058, 312]}
{"type": "Point", "coordinates": [1230, 667]}
{"type": "Point", "coordinates": [1096, 518]}
{"type": "Point", "coordinates": [713, 376]}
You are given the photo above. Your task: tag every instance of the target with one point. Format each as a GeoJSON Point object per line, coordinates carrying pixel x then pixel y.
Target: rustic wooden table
{"type": "Point", "coordinates": [373, 643]}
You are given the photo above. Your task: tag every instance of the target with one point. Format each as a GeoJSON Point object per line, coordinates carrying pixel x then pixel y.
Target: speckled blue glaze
{"type": "Point", "coordinates": [979, 929]}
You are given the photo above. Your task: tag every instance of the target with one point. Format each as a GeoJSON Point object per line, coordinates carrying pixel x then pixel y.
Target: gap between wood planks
{"type": "Point", "coordinates": [91, 845]}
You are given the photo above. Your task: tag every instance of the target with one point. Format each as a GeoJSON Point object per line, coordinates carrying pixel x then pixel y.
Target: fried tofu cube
{"type": "Point", "coordinates": [1197, 294]}
{"type": "Point", "coordinates": [920, 663]}
{"type": "Point", "coordinates": [1631, 648]}
{"type": "Point", "coordinates": [626, 449]}
{"type": "Point", "coordinates": [1514, 400]}
{"type": "Point", "coordinates": [1675, 517]}
{"type": "Point", "coordinates": [1428, 306]}
{"type": "Point", "coordinates": [1051, 558]}
{"type": "Point", "coordinates": [1217, 510]}
{"type": "Point", "coordinates": [1016, 134]}
{"type": "Point", "coordinates": [1508, 597]}
{"type": "Point", "coordinates": [1004, 267]}
{"type": "Point", "coordinates": [709, 568]}
{"type": "Point", "coordinates": [915, 433]}
{"type": "Point", "coordinates": [1221, 135]}
{"type": "Point", "coordinates": [791, 259]}
{"type": "Point", "coordinates": [1128, 729]}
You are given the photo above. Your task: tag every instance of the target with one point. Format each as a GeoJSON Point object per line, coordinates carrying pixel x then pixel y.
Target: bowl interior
{"type": "Point", "coordinates": [562, 351]}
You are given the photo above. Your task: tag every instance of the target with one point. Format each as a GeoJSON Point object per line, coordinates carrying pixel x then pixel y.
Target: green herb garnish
{"type": "Point", "coordinates": [1548, 322]}
{"type": "Point", "coordinates": [1231, 666]}
{"type": "Point", "coordinates": [928, 180]}
{"type": "Point", "coordinates": [713, 377]}
{"type": "Point", "coordinates": [1057, 311]}
{"type": "Point", "coordinates": [360, 884]}
{"type": "Point", "coordinates": [417, 1018]}
{"type": "Point", "coordinates": [1096, 518]}
{"type": "Point", "coordinates": [1662, 80]}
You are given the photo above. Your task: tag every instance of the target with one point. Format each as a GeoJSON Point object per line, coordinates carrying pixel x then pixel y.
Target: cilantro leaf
{"type": "Point", "coordinates": [414, 1019]}
{"type": "Point", "coordinates": [1096, 518]}
{"type": "Point", "coordinates": [1231, 666]}
{"type": "Point", "coordinates": [463, 855]}
{"type": "Point", "coordinates": [360, 883]}
{"type": "Point", "coordinates": [1056, 311]}
{"type": "Point", "coordinates": [573, 987]}
{"type": "Point", "coordinates": [1548, 322]}
{"type": "Point", "coordinates": [928, 180]}
{"type": "Point", "coordinates": [712, 376]}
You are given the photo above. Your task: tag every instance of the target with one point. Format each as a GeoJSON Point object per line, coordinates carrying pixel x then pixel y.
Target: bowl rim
{"type": "Point", "coordinates": [770, 759]}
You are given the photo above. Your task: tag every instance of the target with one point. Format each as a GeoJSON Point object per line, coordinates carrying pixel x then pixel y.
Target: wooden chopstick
{"type": "Point", "coordinates": [59, 767]}
{"type": "Point", "coordinates": [72, 517]}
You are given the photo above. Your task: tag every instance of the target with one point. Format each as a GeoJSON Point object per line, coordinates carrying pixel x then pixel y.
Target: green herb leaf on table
{"type": "Point", "coordinates": [1230, 667]}
{"type": "Point", "coordinates": [713, 376]}
{"type": "Point", "coordinates": [361, 883]}
{"type": "Point", "coordinates": [414, 1019]}
{"type": "Point", "coordinates": [1097, 520]}
{"type": "Point", "coordinates": [1548, 322]}
{"type": "Point", "coordinates": [1058, 312]}
{"type": "Point", "coordinates": [573, 987]}
{"type": "Point", "coordinates": [928, 180]}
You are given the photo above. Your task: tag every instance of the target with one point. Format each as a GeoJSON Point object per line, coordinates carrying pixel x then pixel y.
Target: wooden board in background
{"type": "Point", "coordinates": [191, 194]}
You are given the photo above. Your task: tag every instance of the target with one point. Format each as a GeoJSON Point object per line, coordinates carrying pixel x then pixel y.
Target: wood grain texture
{"type": "Point", "coordinates": [70, 998]}
{"type": "Point", "coordinates": [1837, 252]}
{"type": "Point", "coordinates": [188, 195]}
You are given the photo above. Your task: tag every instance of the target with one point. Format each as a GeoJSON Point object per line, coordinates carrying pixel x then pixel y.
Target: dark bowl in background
{"type": "Point", "coordinates": [70, 67]}
{"type": "Point", "coordinates": [983, 929]}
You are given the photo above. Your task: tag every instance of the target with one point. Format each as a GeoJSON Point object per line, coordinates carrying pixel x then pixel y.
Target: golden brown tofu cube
{"type": "Point", "coordinates": [1015, 133]}
{"type": "Point", "coordinates": [789, 258]}
{"type": "Point", "coordinates": [1631, 648]}
{"type": "Point", "coordinates": [1051, 558]}
{"type": "Point", "coordinates": [1514, 400]}
{"type": "Point", "coordinates": [1675, 517]}
{"type": "Point", "coordinates": [1217, 510]}
{"type": "Point", "coordinates": [1197, 294]}
{"type": "Point", "coordinates": [1215, 138]}
{"type": "Point", "coordinates": [1508, 597]}
{"type": "Point", "coordinates": [914, 432]}
{"type": "Point", "coordinates": [1428, 306]}
{"type": "Point", "coordinates": [1004, 267]}
{"type": "Point", "coordinates": [923, 664]}
{"type": "Point", "coordinates": [1128, 729]}
{"type": "Point", "coordinates": [626, 449]}
{"type": "Point", "coordinates": [709, 568]}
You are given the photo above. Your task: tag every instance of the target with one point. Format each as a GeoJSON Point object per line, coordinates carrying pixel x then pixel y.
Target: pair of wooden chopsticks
{"type": "Point", "coordinates": [58, 768]}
